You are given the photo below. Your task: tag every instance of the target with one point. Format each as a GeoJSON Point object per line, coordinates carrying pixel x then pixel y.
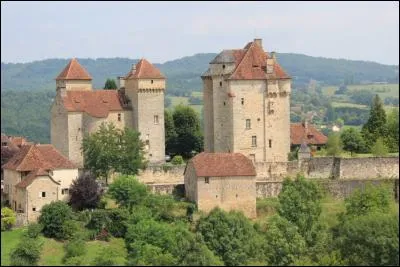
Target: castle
{"type": "Point", "coordinates": [247, 104]}
{"type": "Point", "coordinates": [78, 109]}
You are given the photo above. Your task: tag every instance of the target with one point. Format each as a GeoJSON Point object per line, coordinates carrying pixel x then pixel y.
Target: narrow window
{"type": "Point", "coordinates": [43, 194]}
{"type": "Point", "coordinates": [223, 66]}
{"type": "Point", "coordinates": [242, 101]}
{"type": "Point", "coordinates": [224, 103]}
{"type": "Point", "coordinates": [254, 141]}
{"type": "Point", "coordinates": [236, 195]}
{"type": "Point", "coordinates": [119, 116]}
{"type": "Point", "coordinates": [248, 124]}
{"type": "Point", "coordinates": [220, 83]}
{"type": "Point", "coordinates": [64, 191]}
{"type": "Point", "coordinates": [33, 209]}
{"type": "Point", "coordinates": [207, 180]}
{"type": "Point", "coordinates": [155, 119]}
{"type": "Point", "coordinates": [151, 81]}
{"type": "Point", "coordinates": [270, 143]}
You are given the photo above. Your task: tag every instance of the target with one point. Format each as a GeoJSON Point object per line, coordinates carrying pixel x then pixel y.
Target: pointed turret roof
{"type": "Point", "coordinates": [74, 71]}
{"type": "Point", "coordinates": [145, 70]}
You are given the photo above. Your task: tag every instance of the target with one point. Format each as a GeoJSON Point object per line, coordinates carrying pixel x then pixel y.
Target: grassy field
{"type": "Point", "coordinates": [9, 240]}
{"type": "Point", "coordinates": [383, 90]}
{"type": "Point", "coordinates": [351, 105]}
{"type": "Point", "coordinates": [176, 100]}
{"type": "Point", "coordinates": [53, 251]}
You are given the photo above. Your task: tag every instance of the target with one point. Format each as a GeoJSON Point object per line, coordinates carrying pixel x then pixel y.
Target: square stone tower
{"type": "Point", "coordinates": [247, 104]}
{"type": "Point", "coordinates": [145, 88]}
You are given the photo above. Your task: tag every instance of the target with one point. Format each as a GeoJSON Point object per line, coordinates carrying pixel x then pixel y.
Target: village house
{"type": "Point", "coordinates": [36, 175]}
{"type": "Point", "coordinates": [225, 180]}
{"type": "Point", "coordinates": [304, 133]}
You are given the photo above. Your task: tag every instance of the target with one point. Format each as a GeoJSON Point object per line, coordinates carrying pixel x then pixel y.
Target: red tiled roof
{"type": "Point", "coordinates": [312, 136]}
{"type": "Point", "coordinates": [252, 65]}
{"type": "Point", "coordinates": [145, 70]}
{"type": "Point", "coordinates": [96, 103]}
{"type": "Point", "coordinates": [32, 157]}
{"type": "Point", "coordinates": [223, 164]}
{"type": "Point", "coordinates": [32, 176]}
{"type": "Point", "coordinates": [74, 71]}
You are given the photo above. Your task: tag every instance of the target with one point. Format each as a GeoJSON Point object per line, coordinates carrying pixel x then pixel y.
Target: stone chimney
{"type": "Point", "coordinates": [133, 68]}
{"type": "Point", "coordinates": [273, 55]}
{"type": "Point", "coordinates": [258, 42]}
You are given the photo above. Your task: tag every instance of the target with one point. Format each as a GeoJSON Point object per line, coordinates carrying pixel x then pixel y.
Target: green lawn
{"type": "Point", "coordinates": [53, 251]}
{"type": "Point", "coordinates": [176, 100]}
{"type": "Point", "coordinates": [351, 105]}
{"type": "Point", "coordinates": [383, 90]}
{"type": "Point", "coordinates": [9, 240]}
{"type": "Point", "coordinates": [197, 94]}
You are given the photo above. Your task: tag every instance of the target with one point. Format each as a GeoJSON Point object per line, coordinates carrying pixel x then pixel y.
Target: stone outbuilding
{"type": "Point", "coordinates": [226, 180]}
{"type": "Point", "coordinates": [36, 175]}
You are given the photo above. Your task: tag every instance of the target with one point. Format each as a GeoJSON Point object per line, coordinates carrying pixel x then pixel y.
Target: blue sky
{"type": "Point", "coordinates": [162, 31]}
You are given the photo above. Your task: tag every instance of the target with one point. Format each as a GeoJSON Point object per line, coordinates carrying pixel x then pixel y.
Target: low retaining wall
{"type": "Point", "coordinates": [337, 188]}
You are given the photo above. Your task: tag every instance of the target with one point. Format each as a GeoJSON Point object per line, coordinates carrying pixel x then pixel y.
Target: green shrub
{"type": "Point", "coordinates": [105, 257]}
{"type": "Point", "coordinates": [53, 216]}
{"type": "Point", "coordinates": [8, 219]}
{"type": "Point", "coordinates": [69, 229]}
{"type": "Point", "coordinates": [75, 248]}
{"type": "Point", "coordinates": [74, 261]}
{"type": "Point", "coordinates": [34, 229]}
{"type": "Point", "coordinates": [27, 252]}
{"type": "Point", "coordinates": [118, 222]}
{"type": "Point", "coordinates": [177, 160]}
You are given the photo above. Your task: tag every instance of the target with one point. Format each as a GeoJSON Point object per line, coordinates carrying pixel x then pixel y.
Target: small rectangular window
{"type": "Point", "coordinates": [33, 209]}
{"type": "Point", "coordinates": [207, 180]}
{"type": "Point", "coordinates": [119, 116]}
{"type": "Point", "coordinates": [270, 143]}
{"type": "Point", "coordinates": [242, 100]}
{"type": "Point", "coordinates": [248, 124]}
{"type": "Point", "coordinates": [155, 119]}
{"type": "Point", "coordinates": [254, 141]}
{"type": "Point", "coordinates": [65, 191]}
{"type": "Point", "coordinates": [43, 194]}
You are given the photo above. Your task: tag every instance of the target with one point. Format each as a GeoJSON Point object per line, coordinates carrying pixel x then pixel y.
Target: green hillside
{"type": "Point", "coordinates": [27, 90]}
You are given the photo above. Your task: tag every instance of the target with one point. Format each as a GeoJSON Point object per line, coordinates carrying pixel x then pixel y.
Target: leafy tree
{"type": "Point", "coordinates": [352, 141]}
{"type": "Point", "coordinates": [229, 235]}
{"type": "Point", "coordinates": [152, 242]}
{"type": "Point", "coordinates": [6, 154]}
{"type": "Point", "coordinates": [284, 243]}
{"type": "Point", "coordinates": [105, 257]}
{"type": "Point", "coordinates": [27, 252]}
{"type": "Point", "coordinates": [111, 149]}
{"type": "Point", "coordinates": [110, 85]}
{"type": "Point", "coordinates": [167, 102]}
{"type": "Point", "coordinates": [370, 239]}
{"type": "Point", "coordinates": [8, 218]}
{"type": "Point", "coordinates": [170, 133]}
{"type": "Point", "coordinates": [187, 127]}
{"type": "Point", "coordinates": [127, 191]}
{"type": "Point", "coordinates": [376, 125]}
{"type": "Point", "coordinates": [300, 204]}
{"type": "Point", "coordinates": [52, 217]}
{"type": "Point", "coordinates": [363, 97]}
{"type": "Point", "coordinates": [84, 192]}
{"type": "Point", "coordinates": [334, 145]}
{"type": "Point", "coordinates": [371, 198]}
{"type": "Point", "coordinates": [330, 113]}
{"type": "Point", "coordinates": [392, 139]}
{"type": "Point", "coordinates": [379, 148]}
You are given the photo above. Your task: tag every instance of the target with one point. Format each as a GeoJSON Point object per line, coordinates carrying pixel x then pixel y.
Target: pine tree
{"type": "Point", "coordinates": [110, 85]}
{"type": "Point", "coordinates": [376, 125]}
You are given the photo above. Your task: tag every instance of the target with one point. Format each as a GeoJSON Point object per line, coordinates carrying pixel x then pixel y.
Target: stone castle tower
{"type": "Point", "coordinates": [247, 104]}
{"type": "Point", "coordinates": [78, 109]}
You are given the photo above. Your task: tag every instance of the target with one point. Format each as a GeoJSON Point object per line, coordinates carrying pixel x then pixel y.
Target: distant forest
{"type": "Point", "coordinates": [27, 89]}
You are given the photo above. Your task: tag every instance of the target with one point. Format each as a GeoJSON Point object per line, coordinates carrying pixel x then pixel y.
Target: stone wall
{"type": "Point", "coordinates": [162, 175]}
{"type": "Point", "coordinates": [337, 188]}
{"type": "Point", "coordinates": [369, 168]}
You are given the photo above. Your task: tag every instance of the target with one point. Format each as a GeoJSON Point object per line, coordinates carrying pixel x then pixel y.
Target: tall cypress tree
{"type": "Point", "coordinates": [376, 125]}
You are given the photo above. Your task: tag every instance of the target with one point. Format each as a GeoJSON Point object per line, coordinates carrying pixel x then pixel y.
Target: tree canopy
{"type": "Point", "coordinates": [84, 192]}
{"type": "Point", "coordinates": [376, 125]}
{"type": "Point", "coordinates": [110, 85]}
{"type": "Point", "coordinates": [111, 149]}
